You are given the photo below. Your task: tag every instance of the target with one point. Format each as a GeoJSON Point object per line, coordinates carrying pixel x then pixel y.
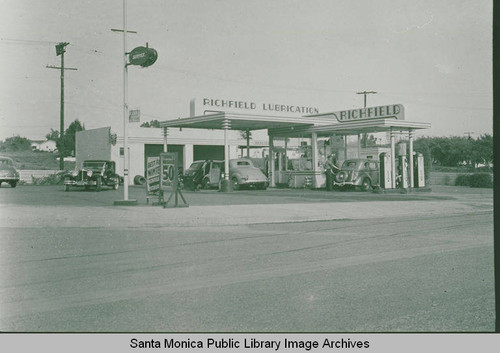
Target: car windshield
{"type": "Point", "coordinates": [349, 164]}
{"type": "Point", "coordinates": [6, 162]}
{"type": "Point", "coordinates": [93, 165]}
{"type": "Point", "coordinates": [195, 165]}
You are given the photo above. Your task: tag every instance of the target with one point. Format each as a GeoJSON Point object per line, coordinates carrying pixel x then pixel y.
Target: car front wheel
{"type": "Point", "coordinates": [116, 183]}
{"type": "Point", "coordinates": [366, 184]}
{"type": "Point", "coordinates": [234, 184]}
{"type": "Point", "coordinates": [98, 185]}
{"type": "Point", "coordinates": [13, 183]}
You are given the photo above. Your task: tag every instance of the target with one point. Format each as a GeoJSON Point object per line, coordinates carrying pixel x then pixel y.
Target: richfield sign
{"type": "Point", "coordinates": [395, 111]}
{"type": "Point", "coordinates": [200, 106]}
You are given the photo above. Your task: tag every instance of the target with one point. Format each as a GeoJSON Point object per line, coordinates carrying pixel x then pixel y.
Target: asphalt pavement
{"type": "Point", "coordinates": [50, 205]}
{"type": "Point", "coordinates": [248, 261]}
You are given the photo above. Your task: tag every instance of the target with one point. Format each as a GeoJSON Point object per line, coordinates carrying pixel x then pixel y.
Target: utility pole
{"type": "Point", "coordinates": [365, 135]}
{"type": "Point", "coordinates": [60, 50]}
{"type": "Point", "coordinates": [365, 93]}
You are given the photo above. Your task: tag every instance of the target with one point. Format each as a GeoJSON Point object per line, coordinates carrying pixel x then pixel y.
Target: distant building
{"type": "Point", "coordinates": [43, 145]}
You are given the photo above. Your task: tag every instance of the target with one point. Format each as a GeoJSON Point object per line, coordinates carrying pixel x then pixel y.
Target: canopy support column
{"type": "Point", "coordinates": [226, 125]}
{"type": "Point", "coordinates": [248, 143]}
{"type": "Point", "coordinates": [165, 134]}
{"type": "Point", "coordinates": [345, 147]}
{"type": "Point", "coordinates": [412, 176]}
{"type": "Point", "coordinates": [315, 168]}
{"type": "Point", "coordinates": [270, 168]}
{"type": "Point", "coordinates": [393, 159]}
{"type": "Point", "coordinates": [359, 145]}
{"type": "Point", "coordinates": [286, 155]}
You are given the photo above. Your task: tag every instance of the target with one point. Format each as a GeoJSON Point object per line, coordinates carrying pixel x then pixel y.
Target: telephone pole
{"type": "Point", "coordinates": [60, 50]}
{"type": "Point", "coordinates": [365, 135]}
{"type": "Point", "coordinates": [365, 93]}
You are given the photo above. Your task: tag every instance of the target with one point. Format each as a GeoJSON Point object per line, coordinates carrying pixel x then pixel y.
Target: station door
{"type": "Point", "coordinates": [208, 152]}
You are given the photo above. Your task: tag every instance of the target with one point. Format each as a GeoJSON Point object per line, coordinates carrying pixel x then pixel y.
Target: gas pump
{"type": "Point", "coordinates": [418, 166]}
{"type": "Point", "coordinates": [402, 167]}
{"type": "Point", "coordinates": [402, 172]}
{"type": "Point", "coordinates": [385, 171]}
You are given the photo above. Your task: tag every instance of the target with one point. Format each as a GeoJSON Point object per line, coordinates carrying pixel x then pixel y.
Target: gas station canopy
{"type": "Point", "coordinates": [244, 121]}
{"type": "Point", "coordinates": [350, 128]}
{"type": "Point", "coordinates": [280, 126]}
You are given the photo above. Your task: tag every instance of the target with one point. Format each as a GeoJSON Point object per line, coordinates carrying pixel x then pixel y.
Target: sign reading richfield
{"type": "Point", "coordinates": [382, 112]}
{"type": "Point", "coordinates": [202, 106]}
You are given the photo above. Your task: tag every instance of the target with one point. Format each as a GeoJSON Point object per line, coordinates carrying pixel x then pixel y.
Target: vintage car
{"type": "Point", "coordinates": [362, 173]}
{"type": "Point", "coordinates": [203, 174]}
{"type": "Point", "coordinates": [8, 172]}
{"type": "Point", "coordinates": [242, 172]}
{"type": "Point", "coordinates": [94, 174]}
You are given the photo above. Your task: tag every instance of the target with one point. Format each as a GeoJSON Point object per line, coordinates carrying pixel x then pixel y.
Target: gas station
{"type": "Point", "coordinates": [330, 127]}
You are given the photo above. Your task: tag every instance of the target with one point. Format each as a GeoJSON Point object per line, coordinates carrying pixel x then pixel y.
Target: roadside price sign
{"type": "Point", "coordinates": [168, 169]}
{"type": "Point", "coordinates": [169, 176]}
{"type": "Point", "coordinates": [153, 175]}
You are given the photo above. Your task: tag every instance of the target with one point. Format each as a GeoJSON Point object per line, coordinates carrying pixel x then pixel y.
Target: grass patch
{"type": "Point", "coordinates": [30, 160]}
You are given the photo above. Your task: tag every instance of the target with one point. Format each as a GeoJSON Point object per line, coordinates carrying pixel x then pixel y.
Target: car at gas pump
{"type": "Point", "coordinates": [242, 173]}
{"type": "Point", "coordinates": [360, 173]}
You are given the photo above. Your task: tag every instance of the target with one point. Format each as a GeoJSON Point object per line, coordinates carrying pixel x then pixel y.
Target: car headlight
{"type": "Point", "coordinates": [89, 173]}
{"type": "Point", "coordinates": [74, 173]}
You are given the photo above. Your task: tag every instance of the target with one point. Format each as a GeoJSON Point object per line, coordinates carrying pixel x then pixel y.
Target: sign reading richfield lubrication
{"type": "Point", "coordinates": [207, 105]}
{"type": "Point", "coordinates": [395, 111]}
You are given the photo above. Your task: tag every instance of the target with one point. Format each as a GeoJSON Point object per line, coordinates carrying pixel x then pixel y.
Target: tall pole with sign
{"type": "Point", "coordinates": [125, 106]}
{"type": "Point", "coordinates": [145, 58]}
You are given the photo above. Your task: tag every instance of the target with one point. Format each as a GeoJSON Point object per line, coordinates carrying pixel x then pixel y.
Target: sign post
{"type": "Point", "coordinates": [169, 176]}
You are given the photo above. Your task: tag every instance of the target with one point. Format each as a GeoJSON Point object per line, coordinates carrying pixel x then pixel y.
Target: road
{"type": "Point", "coordinates": [422, 263]}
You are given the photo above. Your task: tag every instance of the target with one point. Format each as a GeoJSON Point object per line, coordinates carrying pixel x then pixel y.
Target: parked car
{"type": "Point", "coordinates": [203, 174]}
{"type": "Point", "coordinates": [242, 172]}
{"type": "Point", "coordinates": [362, 173]}
{"type": "Point", "coordinates": [94, 173]}
{"type": "Point", "coordinates": [8, 173]}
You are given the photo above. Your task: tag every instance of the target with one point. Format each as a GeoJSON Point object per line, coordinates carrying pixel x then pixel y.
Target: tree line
{"type": "Point", "coordinates": [457, 151]}
{"type": "Point", "coordinates": [65, 146]}
{"type": "Point", "coordinates": [442, 151]}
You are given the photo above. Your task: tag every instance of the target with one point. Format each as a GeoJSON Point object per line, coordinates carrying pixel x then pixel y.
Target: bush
{"type": "Point", "coordinates": [481, 180]}
{"type": "Point", "coordinates": [53, 179]}
{"type": "Point", "coordinates": [462, 180]}
{"type": "Point", "coordinates": [476, 180]}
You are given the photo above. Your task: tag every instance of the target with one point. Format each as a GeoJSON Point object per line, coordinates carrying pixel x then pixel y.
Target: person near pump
{"type": "Point", "coordinates": [331, 170]}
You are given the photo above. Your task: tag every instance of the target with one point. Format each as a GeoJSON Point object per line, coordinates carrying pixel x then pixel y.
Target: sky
{"type": "Point", "coordinates": [433, 57]}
